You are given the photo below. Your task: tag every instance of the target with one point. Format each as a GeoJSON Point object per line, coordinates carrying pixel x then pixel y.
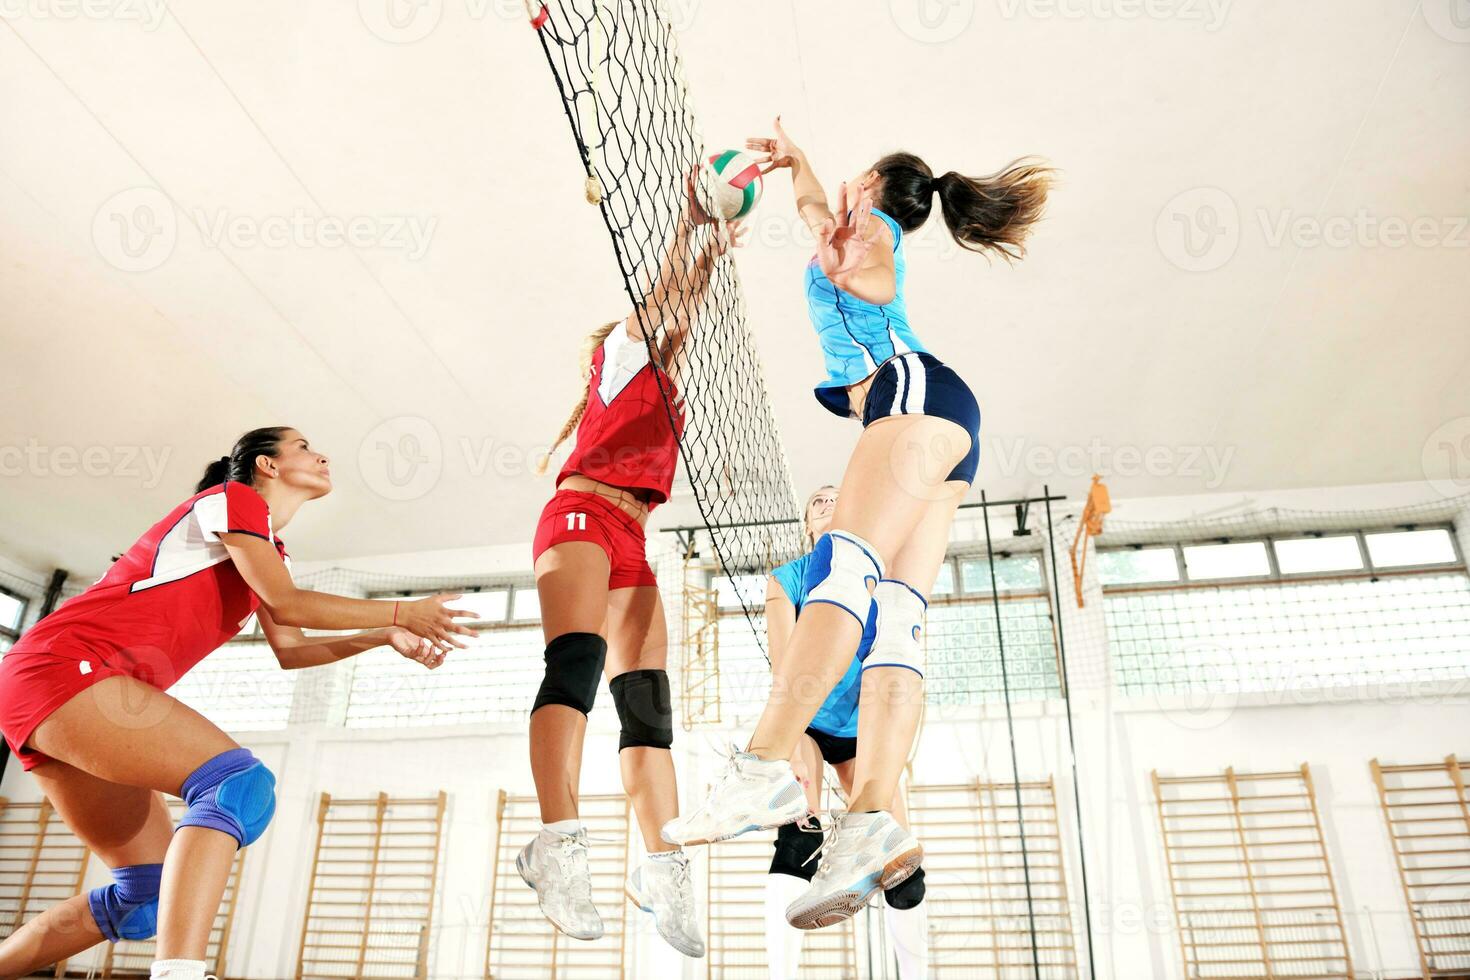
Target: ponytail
{"type": "Point", "coordinates": [239, 464]}
{"type": "Point", "coordinates": [590, 345]}
{"type": "Point", "coordinates": [984, 214]}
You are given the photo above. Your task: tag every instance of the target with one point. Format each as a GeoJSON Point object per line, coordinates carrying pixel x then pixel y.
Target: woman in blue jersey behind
{"type": "Point", "coordinates": [831, 738]}
{"type": "Point", "coordinates": [913, 463]}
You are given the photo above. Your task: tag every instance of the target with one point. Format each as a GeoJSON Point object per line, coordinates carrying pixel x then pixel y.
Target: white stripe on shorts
{"type": "Point", "coordinates": [900, 369]}
{"type": "Point", "coordinates": [913, 403]}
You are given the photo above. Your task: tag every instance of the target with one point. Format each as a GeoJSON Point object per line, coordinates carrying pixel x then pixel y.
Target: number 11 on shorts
{"type": "Point", "coordinates": [576, 522]}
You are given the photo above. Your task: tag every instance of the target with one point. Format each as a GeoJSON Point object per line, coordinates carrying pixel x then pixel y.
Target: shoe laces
{"type": "Point", "coordinates": [813, 823]}
{"type": "Point", "coordinates": [570, 854]}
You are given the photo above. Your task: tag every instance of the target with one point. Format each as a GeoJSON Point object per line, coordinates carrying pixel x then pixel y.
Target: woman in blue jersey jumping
{"type": "Point", "coordinates": [831, 738]}
{"type": "Point", "coordinates": [914, 461]}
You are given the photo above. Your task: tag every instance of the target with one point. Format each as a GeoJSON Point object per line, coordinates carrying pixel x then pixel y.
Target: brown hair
{"type": "Point", "coordinates": [991, 214]}
{"type": "Point", "coordinates": [593, 341]}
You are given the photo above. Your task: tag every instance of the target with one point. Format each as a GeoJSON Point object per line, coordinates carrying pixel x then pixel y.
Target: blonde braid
{"type": "Point", "coordinates": [590, 345]}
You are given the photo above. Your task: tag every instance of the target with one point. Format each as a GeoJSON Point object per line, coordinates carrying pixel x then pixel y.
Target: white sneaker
{"type": "Point", "coordinates": [662, 887]}
{"type": "Point", "coordinates": [751, 794]}
{"type": "Point", "coordinates": [555, 865]}
{"type": "Point", "coordinates": [863, 853]}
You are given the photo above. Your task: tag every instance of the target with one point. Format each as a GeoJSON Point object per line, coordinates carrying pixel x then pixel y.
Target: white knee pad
{"type": "Point", "coordinates": [899, 638]}
{"type": "Point", "coordinates": [842, 570]}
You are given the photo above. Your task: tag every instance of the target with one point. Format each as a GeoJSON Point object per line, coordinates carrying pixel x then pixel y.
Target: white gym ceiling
{"type": "Point", "coordinates": [1253, 272]}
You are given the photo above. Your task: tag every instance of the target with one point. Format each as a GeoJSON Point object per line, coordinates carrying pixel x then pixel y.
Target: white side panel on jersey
{"type": "Point", "coordinates": [622, 359]}
{"type": "Point", "coordinates": [191, 545]}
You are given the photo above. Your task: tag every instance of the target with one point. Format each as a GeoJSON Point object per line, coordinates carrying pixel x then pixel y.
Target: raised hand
{"type": "Point", "coordinates": [841, 243]}
{"type": "Point", "coordinates": [774, 152]}
{"type": "Point", "coordinates": [415, 647]}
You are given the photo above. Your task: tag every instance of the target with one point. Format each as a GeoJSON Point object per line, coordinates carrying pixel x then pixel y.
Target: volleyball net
{"type": "Point", "coordinates": [620, 79]}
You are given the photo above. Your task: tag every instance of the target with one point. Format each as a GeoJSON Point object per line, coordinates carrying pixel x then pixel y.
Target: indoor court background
{"type": "Point", "coordinates": [1245, 308]}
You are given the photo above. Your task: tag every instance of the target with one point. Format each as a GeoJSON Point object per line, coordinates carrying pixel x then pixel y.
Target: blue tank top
{"type": "Point", "coordinates": [838, 715]}
{"type": "Point", "coordinates": [856, 335]}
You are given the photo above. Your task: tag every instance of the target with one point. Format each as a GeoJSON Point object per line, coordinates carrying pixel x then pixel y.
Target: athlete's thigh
{"type": "Point", "coordinates": [896, 473]}
{"type": "Point", "coordinates": [122, 825]}
{"type": "Point", "coordinates": [124, 731]}
{"type": "Point", "coordinates": [571, 581]}
{"type": "Point", "coordinates": [918, 560]}
{"type": "Point", "coordinates": [637, 635]}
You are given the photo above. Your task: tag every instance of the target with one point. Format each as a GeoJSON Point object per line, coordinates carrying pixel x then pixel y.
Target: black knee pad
{"type": "Point", "coordinates": [907, 893]}
{"type": "Point", "coordinates": [573, 665]}
{"type": "Point", "coordinates": [644, 708]}
{"type": "Point", "coordinates": [794, 847]}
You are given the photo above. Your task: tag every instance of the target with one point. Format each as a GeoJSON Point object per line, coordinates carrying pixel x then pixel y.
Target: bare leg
{"type": "Point", "coordinates": [891, 701]}
{"type": "Point", "coordinates": [638, 639]}
{"type": "Point", "coordinates": [571, 580]}
{"type": "Point", "coordinates": [806, 762]}
{"type": "Point", "coordinates": [122, 825]}
{"type": "Point", "coordinates": [894, 495]}
{"type": "Point", "coordinates": [124, 731]}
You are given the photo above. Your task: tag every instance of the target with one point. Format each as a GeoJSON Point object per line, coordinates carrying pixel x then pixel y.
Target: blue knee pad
{"type": "Point", "coordinates": [128, 908]}
{"type": "Point", "coordinates": [842, 570]}
{"type": "Point", "coordinates": [233, 793]}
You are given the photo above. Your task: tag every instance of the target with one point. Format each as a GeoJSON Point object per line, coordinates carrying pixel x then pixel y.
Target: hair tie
{"type": "Point", "coordinates": [225, 460]}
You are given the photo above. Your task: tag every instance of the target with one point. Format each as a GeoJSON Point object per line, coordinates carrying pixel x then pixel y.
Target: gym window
{"type": "Point", "coordinates": [12, 614]}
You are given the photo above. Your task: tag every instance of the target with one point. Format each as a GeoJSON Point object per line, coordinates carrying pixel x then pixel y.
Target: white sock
{"type": "Point", "coordinates": [783, 940]}
{"type": "Point", "coordinates": [908, 929]}
{"type": "Point", "coordinates": [665, 857]}
{"type": "Point", "coordinates": [564, 827]}
{"type": "Point", "coordinates": [177, 970]}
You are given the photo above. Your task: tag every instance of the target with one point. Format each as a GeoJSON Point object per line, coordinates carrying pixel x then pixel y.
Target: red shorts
{"type": "Point", "coordinates": [574, 515]}
{"type": "Point", "coordinates": [32, 685]}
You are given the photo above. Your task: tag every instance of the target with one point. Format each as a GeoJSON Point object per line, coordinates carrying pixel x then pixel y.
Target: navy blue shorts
{"type": "Point", "coordinates": [920, 384]}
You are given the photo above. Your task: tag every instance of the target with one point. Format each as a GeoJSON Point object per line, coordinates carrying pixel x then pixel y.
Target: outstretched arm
{"type": "Point", "coordinates": [294, 649]}
{"type": "Point", "coordinates": [264, 571]}
{"type": "Point", "coordinates": [683, 282]}
{"type": "Point", "coordinates": [780, 152]}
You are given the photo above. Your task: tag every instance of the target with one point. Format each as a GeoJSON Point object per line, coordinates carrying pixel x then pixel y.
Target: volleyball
{"type": "Point", "coordinates": [730, 188]}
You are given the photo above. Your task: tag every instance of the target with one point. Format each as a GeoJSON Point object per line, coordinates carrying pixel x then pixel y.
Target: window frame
{"type": "Point", "coordinates": [13, 633]}
{"type": "Point", "coordinates": [510, 587]}
{"type": "Point", "coordinates": [1276, 575]}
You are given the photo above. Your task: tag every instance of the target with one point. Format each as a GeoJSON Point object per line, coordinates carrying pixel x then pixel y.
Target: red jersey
{"type": "Point", "coordinates": [172, 599]}
{"type": "Point", "coordinates": [624, 438]}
